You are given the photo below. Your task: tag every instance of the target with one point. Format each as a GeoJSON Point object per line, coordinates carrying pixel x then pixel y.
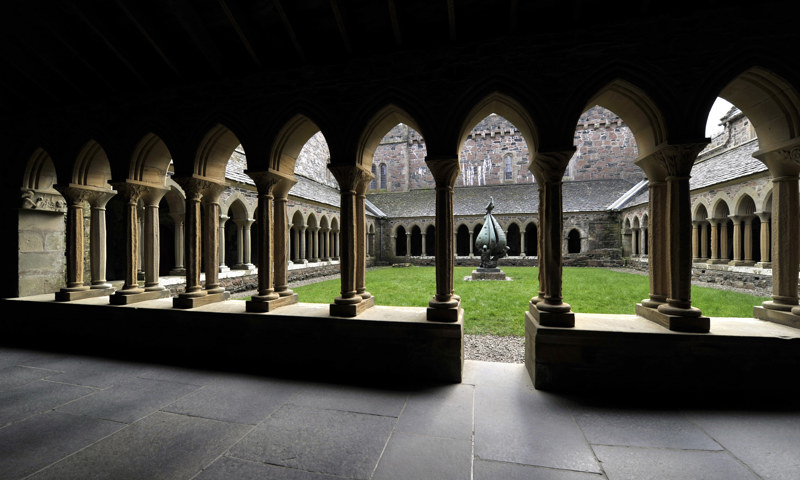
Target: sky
{"type": "Point", "coordinates": [719, 109]}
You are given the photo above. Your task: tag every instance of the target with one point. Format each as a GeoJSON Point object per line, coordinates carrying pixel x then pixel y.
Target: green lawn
{"type": "Point", "coordinates": [494, 307]}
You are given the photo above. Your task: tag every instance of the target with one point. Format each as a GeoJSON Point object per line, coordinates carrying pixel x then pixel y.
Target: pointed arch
{"type": "Point", "coordinates": [377, 127]}
{"type": "Point", "coordinates": [150, 161]}
{"type": "Point", "coordinates": [507, 108]}
{"type": "Point", "coordinates": [214, 151]}
{"type": "Point", "coordinates": [40, 172]}
{"type": "Point", "coordinates": [289, 141]}
{"type": "Point", "coordinates": [92, 167]}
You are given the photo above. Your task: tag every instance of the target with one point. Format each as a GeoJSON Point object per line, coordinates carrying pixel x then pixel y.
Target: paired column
{"type": "Point", "coordinates": [714, 240]}
{"type": "Point", "coordinates": [548, 170]}
{"type": "Point", "coordinates": [349, 303]}
{"type": "Point", "coordinates": [221, 236]}
{"type": "Point", "coordinates": [657, 265]}
{"type": "Point", "coordinates": [211, 238]}
{"type": "Point", "coordinates": [677, 161]}
{"type": "Point", "coordinates": [76, 196]}
{"type": "Point", "coordinates": [696, 225]}
{"type": "Point", "coordinates": [152, 238]}
{"type": "Point", "coordinates": [445, 306]}
{"type": "Point", "coordinates": [764, 239]}
{"type": "Point", "coordinates": [281, 242]}
{"type": "Point", "coordinates": [178, 220]}
{"type": "Point", "coordinates": [361, 236]}
{"type": "Point", "coordinates": [737, 240]}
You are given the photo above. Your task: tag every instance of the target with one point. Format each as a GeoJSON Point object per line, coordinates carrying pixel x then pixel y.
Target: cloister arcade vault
{"type": "Point", "coordinates": [81, 154]}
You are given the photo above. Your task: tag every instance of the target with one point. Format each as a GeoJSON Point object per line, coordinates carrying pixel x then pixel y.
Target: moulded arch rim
{"type": "Point", "coordinates": [148, 151]}
{"type": "Point", "coordinates": [390, 115]}
{"type": "Point", "coordinates": [637, 109]}
{"type": "Point", "coordinates": [511, 110]}
{"type": "Point", "coordinates": [636, 223]}
{"type": "Point", "coordinates": [175, 197]}
{"type": "Point", "coordinates": [398, 227]}
{"type": "Point", "coordinates": [297, 214]}
{"type": "Point", "coordinates": [578, 229]}
{"type": "Point", "coordinates": [208, 162]}
{"type": "Point", "coordinates": [290, 140]}
{"type": "Point", "coordinates": [32, 175]}
{"type": "Point", "coordinates": [85, 170]}
{"type": "Point", "coordinates": [721, 198]}
{"type": "Point", "coordinates": [766, 203]}
{"type": "Point", "coordinates": [248, 206]}
{"type": "Point", "coordinates": [700, 203]}
{"type": "Point", "coordinates": [740, 197]}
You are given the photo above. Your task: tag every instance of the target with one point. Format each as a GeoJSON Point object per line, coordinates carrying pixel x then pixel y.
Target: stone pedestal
{"type": "Point", "coordinates": [351, 309]}
{"type": "Point", "coordinates": [678, 323]}
{"type": "Point", "coordinates": [121, 298]}
{"type": "Point", "coordinates": [256, 305]}
{"type": "Point", "coordinates": [192, 302]}
{"type": "Point", "coordinates": [488, 274]}
{"type": "Point", "coordinates": [68, 295]}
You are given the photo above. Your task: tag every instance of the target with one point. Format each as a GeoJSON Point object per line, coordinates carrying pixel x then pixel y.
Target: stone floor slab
{"type": "Point", "coordinates": [163, 446]}
{"type": "Point", "coordinates": [38, 441]}
{"type": "Point", "coordinates": [516, 425]}
{"type": "Point", "coordinates": [490, 470]}
{"type": "Point", "coordinates": [37, 397]}
{"type": "Point", "coordinates": [641, 428]}
{"type": "Point", "coordinates": [228, 468]}
{"type": "Point", "coordinates": [444, 411]}
{"type": "Point", "coordinates": [353, 399]}
{"type": "Point", "coordinates": [15, 376]}
{"type": "Point", "coordinates": [247, 400]}
{"type": "Point", "coordinates": [88, 371]}
{"type": "Point", "coordinates": [634, 463]}
{"type": "Point", "coordinates": [130, 400]}
{"type": "Point", "coordinates": [325, 441]}
{"type": "Point", "coordinates": [418, 457]}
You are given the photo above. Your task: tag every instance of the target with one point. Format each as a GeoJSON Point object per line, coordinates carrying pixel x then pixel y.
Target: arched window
{"type": "Point", "coordinates": [372, 184]}
{"type": "Point", "coordinates": [574, 241]}
{"type": "Point", "coordinates": [383, 175]}
{"type": "Point", "coordinates": [509, 172]}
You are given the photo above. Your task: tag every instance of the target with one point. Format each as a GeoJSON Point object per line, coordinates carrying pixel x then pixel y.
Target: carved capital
{"type": "Point", "coordinates": [193, 187]}
{"type": "Point", "coordinates": [550, 166]}
{"type": "Point", "coordinates": [677, 160]}
{"type": "Point", "coordinates": [349, 176]}
{"type": "Point", "coordinates": [131, 192]}
{"type": "Point", "coordinates": [31, 199]}
{"type": "Point", "coordinates": [445, 170]}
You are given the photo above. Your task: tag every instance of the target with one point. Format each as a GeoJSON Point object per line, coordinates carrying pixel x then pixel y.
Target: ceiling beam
{"type": "Point", "coordinates": [289, 30]}
{"type": "Point", "coordinates": [395, 23]}
{"type": "Point", "coordinates": [337, 12]}
{"type": "Point", "coordinates": [107, 42]}
{"type": "Point", "coordinates": [240, 32]}
{"type": "Point", "coordinates": [147, 37]}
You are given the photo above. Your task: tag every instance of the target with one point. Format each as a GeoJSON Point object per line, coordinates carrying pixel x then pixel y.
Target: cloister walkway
{"type": "Point", "coordinates": [74, 417]}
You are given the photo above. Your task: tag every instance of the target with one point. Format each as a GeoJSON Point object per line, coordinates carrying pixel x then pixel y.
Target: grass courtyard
{"type": "Point", "coordinates": [496, 307]}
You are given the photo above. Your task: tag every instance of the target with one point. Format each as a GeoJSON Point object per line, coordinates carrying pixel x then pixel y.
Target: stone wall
{"type": "Point", "coordinates": [42, 243]}
{"type": "Point", "coordinates": [606, 148]}
{"type": "Point", "coordinates": [312, 162]}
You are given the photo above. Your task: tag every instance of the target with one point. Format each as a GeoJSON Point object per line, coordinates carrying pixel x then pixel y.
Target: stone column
{"type": "Point", "coordinates": [764, 239]}
{"type": "Point", "coordinates": [349, 178]}
{"type": "Point", "coordinates": [239, 265]}
{"type": "Point", "coordinates": [677, 160]}
{"type": "Point", "coordinates": [281, 251]}
{"type": "Point", "coordinates": [635, 241]}
{"type": "Point", "coordinates": [193, 188]}
{"type": "Point", "coordinates": [132, 193]}
{"type": "Point", "coordinates": [301, 252]}
{"type": "Point", "coordinates": [704, 240]}
{"type": "Point", "coordinates": [221, 236]}
{"type": "Point", "coordinates": [714, 240]}
{"type": "Point", "coordinates": [245, 245]}
{"type": "Point", "coordinates": [361, 235]}
{"type": "Point", "coordinates": [471, 244]}
{"type": "Point", "coordinates": [140, 256]}
{"type": "Point", "coordinates": [541, 261]}
{"type": "Point", "coordinates": [444, 306]}
{"type": "Point", "coordinates": [336, 244]}
{"type": "Point", "coordinates": [548, 169]}
{"type": "Point", "coordinates": [178, 269]}
{"type": "Point", "coordinates": [657, 265]}
{"type": "Point", "coordinates": [97, 234]}
{"type": "Point", "coordinates": [723, 240]}
{"type": "Point", "coordinates": [737, 239]}
{"type": "Point", "coordinates": [748, 239]}
{"type": "Point", "coordinates": [211, 238]}
{"type": "Point", "coordinates": [75, 196]}
{"type": "Point", "coordinates": [424, 253]}
{"type": "Point", "coordinates": [696, 240]}
{"type": "Point", "coordinates": [522, 244]}
{"type": "Point", "coordinates": [314, 244]}
{"type": "Point", "coordinates": [408, 244]}
{"type": "Point", "coordinates": [152, 238]}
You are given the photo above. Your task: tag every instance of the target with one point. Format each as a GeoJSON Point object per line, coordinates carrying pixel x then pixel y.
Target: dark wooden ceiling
{"type": "Point", "coordinates": [55, 52]}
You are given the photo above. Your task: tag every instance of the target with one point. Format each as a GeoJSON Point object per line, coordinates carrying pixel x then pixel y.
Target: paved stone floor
{"type": "Point", "coordinates": [72, 417]}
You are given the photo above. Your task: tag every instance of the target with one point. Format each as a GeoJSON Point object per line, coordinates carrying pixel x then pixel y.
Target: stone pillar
{"type": "Point", "coordinates": [349, 177]}
{"type": "Point", "coordinates": [152, 238]}
{"type": "Point", "coordinates": [281, 251]}
{"type": "Point", "coordinates": [657, 264]}
{"type": "Point", "coordinates": [714, 240]}
{"type": "Point", "coordinates": [361, 236]}
{"type": "Point", "coordinates": [704, 226]}
{"type": "Point", "coordinates": [336, 245]}
{"type": "Point", "coordinates": [75, 197]}
{"type": "Point", "coordinates": [764, 239]}
{"type": "Point", "coordinates": [221, 236]}
{"type": "Point", "coordinates": [301, 252]}
{"type": "Point", "coordinates": [424, 253]}
{"type": "Point", "coordinates": [239, 265]}
{"type": "Point", "coordinates": [471, 244]}
{"type": "Point", "coordinates": [444, 306]}
{"type": "Point", "coordinates": [696, 240]}
{"type": "Point", "coordinates": [522, 245]}
{"type": "Point", "coordinates": [748, 239]}
{"type": "Point", "coordinates": [737, 239]}
{"type": "Point", "coordinates": [408, 244]}
{"type": "Point", "coordinates": [211, 238]}
{"type": "Point", "coordinates": [132, 193]}
{"type": "Point", "coordinates": [97, 234]}
{"type": "Point", "coordinates": [193, 188]}
{"type": "Point", "coordinates": [178, 269]}
{"type": "Point", "coordinates": [548, 169]}
{"type": "Point", "coordinates": [140, 256]}
{"type": "Point", "coordinates": [245, 245]}
{"type": "Point", "coordinates": [635, 241]}
{"type": "Point", "coordinates": [723, 240]}
{"type": "Point", "coordinates": [784, 166]}
{"type": "Point", "coordinates": [677, 160]}
{"type": "Point", "coordinates": [541, 261]}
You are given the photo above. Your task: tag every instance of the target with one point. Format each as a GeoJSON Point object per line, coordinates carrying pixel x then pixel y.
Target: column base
{"type": "Point", "coordinates": [741, 263]}
{"type": "Point", "coordinates": [788, 318]}
{"type": "Point", "coordinates": [121, 298]}
{"type": "Point", "coordinates": [101, 286]}
{"type": "Point", "coordinates": [780, 304]}
{"type": "Point", "coordinates": [676, 323]}
{"type": "Point", "coordinates": [270, 305]}
{"type": "Point", "coordinates": [197, 301]}
{"type": "Point", "coordinates": [763, 265]}
{"type": "Point", "coordinates": [286, 293]}
{"type": "Point", "coordinates": [445, 314]}
{"type": "Point", "coordinates": [654, 301]}
{"type": "Point", "coordinates": [719, 261]}
{"type": "Point", "coordinates": [68, 294]}
{"type": "Point", "coordinates": [224, 268]}
{"type": "Point", "coordinates": [557, 317]}
{"type": "Point", "coordinates": [178, 272]}
{"type": "Point", "coordinates": [351, 309]}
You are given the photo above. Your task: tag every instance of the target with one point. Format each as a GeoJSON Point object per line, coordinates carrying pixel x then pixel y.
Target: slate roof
{"type": "Point", "coordinates": [578, 196]}
{"type": "Point", "coordinates": [314, 191]}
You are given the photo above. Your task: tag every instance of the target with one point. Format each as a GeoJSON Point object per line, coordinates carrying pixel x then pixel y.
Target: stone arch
{"type": "Point", "coordinates": [214, 151]}
{"type": "Point", "coordinates": [430, 240]}
{"type": "Point", "coordinates": [463, 247]}
{"type": "Point", "coordinates": [771, 104]}
{"type": "Point", "coordinates": [514, 239]}
{"type": "Point", "coordinates": [532, 239]}
{"type": "Point", "coordinates": [400, 249]}
{"type": "Point", "coordinates": [416, 240]}
{"type": "Point", "coordinates": [150, 161]}
{"type": "Point", "coordinates": [40, 173]}
{"type": "Point", "coordinates": [744, 203]}
{"type": "Point", "coordinates": [92, 168]}
{"type": "Point", "coordinates": [476, 230]}
{"type": "Point", "coordinates": [637, 110]}
{"type": "Point", "coordinates": [289, 142]}
{"type": "Point", "coordinates": [766, 205]}
{"type": "Point", "coordinates": [297, 241]}
{"type": "Point", "coordinates": [376, 128]}
{"type": "Point", "coordinates": [574, 240]}
{"type": "Point", "coordinates": [236, 208]}
{"type": "Point", "coordinates": [700, 211]}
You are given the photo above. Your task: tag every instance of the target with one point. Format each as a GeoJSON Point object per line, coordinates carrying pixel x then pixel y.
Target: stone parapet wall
{"type": "Point", "coordinates": [752, 280]}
